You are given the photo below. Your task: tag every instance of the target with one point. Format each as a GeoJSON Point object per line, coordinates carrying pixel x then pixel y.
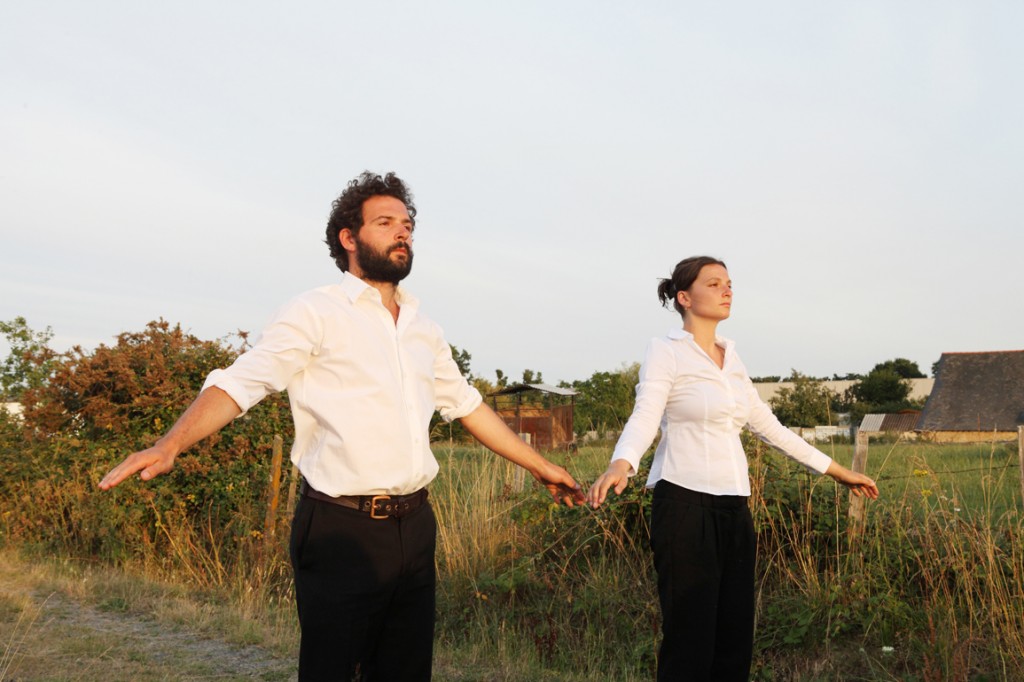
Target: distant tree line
{"type": "Point", "coordinates": [140, 384]}
{"type": "Point", "coordinates": [882, 390]}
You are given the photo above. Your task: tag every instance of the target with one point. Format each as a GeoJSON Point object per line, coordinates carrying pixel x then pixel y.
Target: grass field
{"type": "Point", "coordinates": [932, 589]}
{"type": "Point", "coordinates": [937, 566]}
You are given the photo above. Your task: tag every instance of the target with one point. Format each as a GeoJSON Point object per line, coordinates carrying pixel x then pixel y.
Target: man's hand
{"type": "Point", "coordinates": [152, 462]}
{"type": "Point", "coordinates": [488, 428]}
{"type": "Point", "coordinates": [207, 414]}
{"type": "Point", "coordinates": [563, 488]}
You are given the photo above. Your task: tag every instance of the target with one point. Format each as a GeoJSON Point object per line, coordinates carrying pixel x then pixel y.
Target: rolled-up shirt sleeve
{"type": "Point", "coordinates": [454, 397]}
{"type": "Point", "coordinates": [282, 350]}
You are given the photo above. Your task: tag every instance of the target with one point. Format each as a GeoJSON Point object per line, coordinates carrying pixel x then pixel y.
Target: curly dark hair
{"type": "Point", "coordinates": [347, 209]}
{"type": "Point", "coordinates": [683, 276]}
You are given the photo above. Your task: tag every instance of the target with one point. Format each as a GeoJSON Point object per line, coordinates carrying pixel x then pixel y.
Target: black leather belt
{"type": "Point", "coordinates": [377, 506]}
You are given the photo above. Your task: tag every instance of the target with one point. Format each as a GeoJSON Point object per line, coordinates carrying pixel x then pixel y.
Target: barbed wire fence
{"type": "Point", "coordinates": [857, 511]}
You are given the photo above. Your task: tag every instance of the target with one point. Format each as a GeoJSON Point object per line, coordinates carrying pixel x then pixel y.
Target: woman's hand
{"type": "Point", "coordinates": [859, 484]}
{"type": "Point", "coordinates": [617, 475]}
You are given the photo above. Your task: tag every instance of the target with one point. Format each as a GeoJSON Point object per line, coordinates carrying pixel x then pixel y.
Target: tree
{"type": "Point", "coordinates": [795, 376]}
{"type": "Point", "coordinates": [131, 390]}
{"type": "Point", "coordinates": [462, 358]}
{"type": "Point", "coordinates": [884, 389]}
{"type": "Point", "coordinates": [96, 406]}
{"type": "Point", "coordinates": [605, 400]}
{"type": "Point", "coordinates": [901, 367]}
{"type": "Point", "coordinates": [454, 431]}
{"type": "Point", "coordinates": [808, 403]}
{"type": "Point", "coordinates": [30, 361]}
{"type": "Point", "coordinates": [529, 377]}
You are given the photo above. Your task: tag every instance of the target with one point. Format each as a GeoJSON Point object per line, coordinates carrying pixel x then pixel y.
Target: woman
{"type": "Point", "coordinates": [693, 385]}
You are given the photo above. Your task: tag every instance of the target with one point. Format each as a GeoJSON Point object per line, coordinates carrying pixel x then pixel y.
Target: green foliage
{"type": "Point", "coordinates": [931, 589]}
{"type": "Point", "coordinates": [807, 403]}
{"type": "Point", "coordinates": [574, 586]}
{"type": "Point", "coordinates": [127, 393]}
{"type": "Point", "coordinates": [29, 362]}
{"type": "Point", "coordinates": [99, 406]}
{"type": "Point", "coordinates": [796, 376]}
{"type": "Point", "coordinates": [884, 389]}
{"type": "Point", "coordinates": [605, 400]}
{"type": "Point", "coordinates": [900, 366]}
{"type": "Point", "coordinates": [462, 358]}
{"type": "Point", "coordinates": [531, 377]}
{"type": "Point", "coordinates": [454, 431]}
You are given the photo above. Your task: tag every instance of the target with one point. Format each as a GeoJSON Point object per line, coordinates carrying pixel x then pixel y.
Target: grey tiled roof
{"type": "Point", "coordinates": [976, 392]}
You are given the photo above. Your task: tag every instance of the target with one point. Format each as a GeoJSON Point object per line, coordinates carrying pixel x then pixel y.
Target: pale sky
{"type": "Point", "coordinates": [852, 163]}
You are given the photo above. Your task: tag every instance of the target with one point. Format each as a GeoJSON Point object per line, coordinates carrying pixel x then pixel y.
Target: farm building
{"type": "Point", "coordinates": [977, 397]}
{"type": "Point", "coordinates": [896, 422]}
{"type": "Point", "coordinates": [541, 413]}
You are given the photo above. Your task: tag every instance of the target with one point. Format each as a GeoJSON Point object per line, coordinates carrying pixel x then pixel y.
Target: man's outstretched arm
{"type": "Point", "coordinates": [211, 411]}
{"type": "Point", "coordinates": [488, 428]}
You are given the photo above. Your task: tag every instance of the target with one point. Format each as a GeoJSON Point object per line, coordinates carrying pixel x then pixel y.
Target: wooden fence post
{"type": "Point", "coordinates": [1020, 455]}
{"type": "Point", "coordinates": [270, 521]}
{"type": "Point", "coordinates": [857, 504]}
{"type": "Point", "coordinates": [292, 485]}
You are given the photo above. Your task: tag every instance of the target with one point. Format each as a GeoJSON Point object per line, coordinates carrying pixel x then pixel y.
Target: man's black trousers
{"type": "Point", "coordinates": [365, 593]}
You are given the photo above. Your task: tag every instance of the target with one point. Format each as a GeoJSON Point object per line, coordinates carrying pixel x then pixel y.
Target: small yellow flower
{"type": "Point", "coordinates": [926, 493]}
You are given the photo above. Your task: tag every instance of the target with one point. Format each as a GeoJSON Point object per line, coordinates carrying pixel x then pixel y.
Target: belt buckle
{"type": "Point", "coordinates": [373, 506]}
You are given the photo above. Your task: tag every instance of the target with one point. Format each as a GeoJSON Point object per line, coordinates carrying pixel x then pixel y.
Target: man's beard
{"type": "Point", "coordinates": [378, 267]}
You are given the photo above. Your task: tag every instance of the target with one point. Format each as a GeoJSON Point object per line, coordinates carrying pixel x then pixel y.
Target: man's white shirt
{"type": "Point", "coordinates": [362, 388]}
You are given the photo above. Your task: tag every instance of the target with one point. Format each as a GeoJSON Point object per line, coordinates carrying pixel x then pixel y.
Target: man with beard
{"type": "Point", "coordinates": [364, 372]}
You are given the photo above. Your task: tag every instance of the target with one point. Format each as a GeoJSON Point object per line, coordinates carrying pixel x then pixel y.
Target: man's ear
{"type": "Point", "coordinates": [347, 239]}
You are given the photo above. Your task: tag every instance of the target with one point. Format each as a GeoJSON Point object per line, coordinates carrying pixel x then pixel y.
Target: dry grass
{"type": "Point", "coordinates": [932, 590]}
{"type": "Point", "coordinates": [61, 621]}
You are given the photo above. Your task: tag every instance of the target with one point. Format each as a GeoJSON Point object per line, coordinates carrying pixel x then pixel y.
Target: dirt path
{"type": "Point", "coordinates": [47, 635]}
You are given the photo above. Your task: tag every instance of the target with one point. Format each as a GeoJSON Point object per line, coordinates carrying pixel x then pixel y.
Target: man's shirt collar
{"type": "Point", "coordinates": [354, 288]}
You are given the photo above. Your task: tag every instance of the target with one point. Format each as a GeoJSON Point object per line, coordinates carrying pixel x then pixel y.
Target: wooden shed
{"type": "Point", "coordinates": [542, 411]}
{"type": "Point", "coordinates": [977, 397]}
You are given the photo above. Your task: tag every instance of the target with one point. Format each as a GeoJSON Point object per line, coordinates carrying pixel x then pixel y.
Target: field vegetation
{"type": "Point", "coordinates": [931, 588]}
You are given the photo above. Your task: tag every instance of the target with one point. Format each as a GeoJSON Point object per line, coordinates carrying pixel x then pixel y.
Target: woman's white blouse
{"type": "Point", "coordinates": [700, 410]}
